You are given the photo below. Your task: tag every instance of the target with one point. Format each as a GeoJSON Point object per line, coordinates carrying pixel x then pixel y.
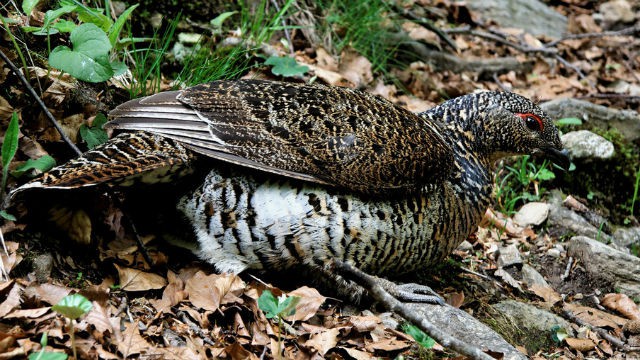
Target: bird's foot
{"type": "Point", "coordinates": [411, 292]}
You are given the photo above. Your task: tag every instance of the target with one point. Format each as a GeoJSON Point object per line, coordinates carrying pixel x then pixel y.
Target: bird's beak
{"type": "Point", "coordinates": [559, 157]}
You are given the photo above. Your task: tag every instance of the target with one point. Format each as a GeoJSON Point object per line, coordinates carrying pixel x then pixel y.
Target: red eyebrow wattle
{"type": "Point", "coordinates": [526, 115]}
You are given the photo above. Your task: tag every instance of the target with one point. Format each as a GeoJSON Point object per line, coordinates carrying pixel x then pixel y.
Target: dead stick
{"type": "Point", "coordinates": [381, 295]}
{"type": "Point", "coordinates": [602, 332]}
{"type": "Point", "coordinates": [627, 31]}
{"type": "Point", "coordinates": [40, 102]}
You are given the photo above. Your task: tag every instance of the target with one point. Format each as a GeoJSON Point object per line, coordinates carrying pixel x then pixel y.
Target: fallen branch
{"type": "Point", "coordinates": [602, 332]}
{"type": "Point", "coordinates": [33, 93]}
{"type": "Point", "coordinates": [391, 303]}
{"type": "Point", "coordinates": [628, 31]}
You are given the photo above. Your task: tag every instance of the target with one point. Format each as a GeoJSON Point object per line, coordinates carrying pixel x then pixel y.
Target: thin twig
{"type": "Point", "coordinates": [381, 295]}
{"type": "Point", "coordinates": [502, 40]}
{"type": "Point", "coordinates": [53, 120]}
{"type": "Point", "coordinates": [574, 68]}
{"type": "Point", "coordinates": [628, 31]}
{"type": "Point", "coordinates": [567, 270]}
{"type": "Point", "coordinates": [426, 23]}
{"type": "Point", "coordinates": [602, 332]}
{"type": "Point", "coordinates": [500, 84]}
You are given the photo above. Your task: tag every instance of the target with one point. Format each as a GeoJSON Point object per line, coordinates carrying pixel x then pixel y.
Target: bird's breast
{"type": "Point", "coordinates": [258, 222]}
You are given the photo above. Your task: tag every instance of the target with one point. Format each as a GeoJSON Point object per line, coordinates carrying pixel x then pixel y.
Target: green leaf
{"type": "Point", "coordinates": [44, 163]}
{"type": "Point", "coordinates": [116, 28]}
{"type": "Point", "coordinates": [48, 355]}
{"type": "Point", "coordinates": [10, 143]}
{"type": "Point", "coordinates": [544, 175]}
{"type": "Point", "coordinates": [28, 5]}
{"type": "Point", "coordinates": [268, 304]}
{"type": "Point", "coordinates": [88, 60]}
{"type": "Point", "coordinates": [94, 16]}
{"type": "Point", "coordinates": [569, 121]}
{"type": "Point", "coordinates": [94, 135]}
{"type": "Point", "coordinates": [65, 26]}
{"type": "Point", "coordinates": [118, 67]}
{"type": "Point", "coordinates": [285, 66]}
{"type": "Point", "coordinates": [73, 306]}
{"type": "Point", "coordinates": [217, 22]}
{"type": "Point", "coordinates": [5, 215]}
{"type": "Point", "coordinates": [558, 333]}
{"type": "Point", "coordinates": [419, 336]}
{"type": "Point", "coordinates": [51, 15]}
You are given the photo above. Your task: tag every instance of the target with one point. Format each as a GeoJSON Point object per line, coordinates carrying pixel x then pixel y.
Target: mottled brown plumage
{"type": "Point", "coordinates": [359, 179]}
{"type": "Point", "coordinates": [328, 135]}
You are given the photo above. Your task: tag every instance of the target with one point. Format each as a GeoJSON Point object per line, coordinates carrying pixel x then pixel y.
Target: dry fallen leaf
{"type": "Point", "coordinates": [357, 354]}
{"type": "Point", "coordinates": [364, 323]}
{"type": "Point", "coordinates": [622, 304]}
{"type": "Point", "coordinates": [546, 293]}
{"type": "Point", "coordinates": [208, 291]}
{"type": "Point", "coordinates": [595, 317]}
{"type": "Point", "coordinates": [355, 68]}
{"type": "Point", "coordinates": [136, 280]}
{"type": "Point", "coordinates": [324, 341]}
{"type": "Point", "coordinates": [580, 344]}
{"type": "Point", "coordinates": [11, 301]}
{"type": "Point", "coordinates": [310, 302]}
{"type": "Point", "coordinates": [132, 343]}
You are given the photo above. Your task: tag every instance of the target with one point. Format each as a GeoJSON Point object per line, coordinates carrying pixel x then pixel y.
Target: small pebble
{"type": "Point", "coordinates": [553, 252]}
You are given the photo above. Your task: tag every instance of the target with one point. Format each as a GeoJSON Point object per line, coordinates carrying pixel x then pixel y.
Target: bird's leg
{"type": "Point", "coordinates": [409, 292]}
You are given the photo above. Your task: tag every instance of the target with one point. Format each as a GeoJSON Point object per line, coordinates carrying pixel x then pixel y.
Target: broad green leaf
{"type": "Point", "coordinates": [569, 121]}
{"type": "Point", "coordinates": [43, 163]}
{"type": "Point", "coordinates": [94, 16]}
{"type": "Point", "coordinates": [88, 60]}
{"type": "Point", "coordinates": [217, 22]}
{"type": "Point", "coordinates": [65, 26]}
{"type": "Point", "coordinates": [5, 215]}
{"type": "Point", "coordinates": [28, 5]}
{"type": "Point", "coordinates": [119, 68]}
{"type": "Point", "coordinates": [94, 135]}
{"type": "Point", "coordinates": [419, 336]}
{"type": "Point", "coordinates": [545, 175]}
{"type": "Point", "coordinates": [285, 66]}
{"type": "Point", "coordinates": [51, 15]}
{"type": "Point", "coordinates": [10, 143]}
{"type": "Point", "coordinates": [116, 28]}
{"type": "Point", "coordinates": [268, 304]}
{"type": "Point", "coordinates": [73, 306]}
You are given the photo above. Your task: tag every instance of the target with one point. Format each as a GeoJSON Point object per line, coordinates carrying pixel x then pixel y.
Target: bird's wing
{"type": "Point", "coordinates": [329, 135]}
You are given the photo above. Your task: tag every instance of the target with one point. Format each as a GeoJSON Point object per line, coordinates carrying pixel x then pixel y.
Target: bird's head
{"type": "Point", "coordinates": [500, 124]}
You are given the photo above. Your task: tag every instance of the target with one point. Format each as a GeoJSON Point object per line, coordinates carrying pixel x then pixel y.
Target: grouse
{"type": "Point", "coordinates": [305, 174]}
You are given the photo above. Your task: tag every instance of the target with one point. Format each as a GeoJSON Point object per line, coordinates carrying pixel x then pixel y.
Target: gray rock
{"type": "Point", "coordinates": [626, 121]}
{"type": "Point", "coordinates": [603, 262]}
{"type": "Point", "coordinates": [509, 256]}
{"type": "Point", "coordinates": [465, 246]}
{"type": "Point", "coordinates": [561, 217]}
{"type": "Point", "coordinates": [531, 276]}
{"type": "Point", "coordinates": [553, 252]}
{"type": "Point", "coordinates": [466, 328]}
{"type": "Point", "coordinates": [533, 213]}
{"type": "Point", "coordinates": [583, 144]}
{"type": "Point", "coordinates": [625, 237]}
{"type": "Point", "coordinates": [533, 16]}
{"type": "Point", "coordinates": [617, 11]}
{"type": "Point", "coordinates": [529, 318]}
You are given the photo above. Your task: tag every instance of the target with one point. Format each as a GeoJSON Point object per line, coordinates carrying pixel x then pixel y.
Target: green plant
{"type": "Point", "coordinates": [277, 308]}
{"type": "Point", "coordinates": [9, 149]}
{"type": "Point", "coordinates": [520, 183]}
{"type": "Point", "coordinates": [94, 41]}
{"type": "Point", "coordinates": [418, 335]}
{"type": "Point", "coordinates": [285, 66]}
{"type": "Point", "coordinates": [212, 61]}
{"type": "Point", "coordinates": [46, 355]}
{"type": "Point", "coordinates": [367, 26]}
{"type": "Point", "coordinates": [73, 307]}
{"type": "Point", "coordinates": [94, 135]}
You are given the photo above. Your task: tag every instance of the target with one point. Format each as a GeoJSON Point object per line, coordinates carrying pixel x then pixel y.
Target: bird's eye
{"type": "Point", "coordinates": [532, 121]}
